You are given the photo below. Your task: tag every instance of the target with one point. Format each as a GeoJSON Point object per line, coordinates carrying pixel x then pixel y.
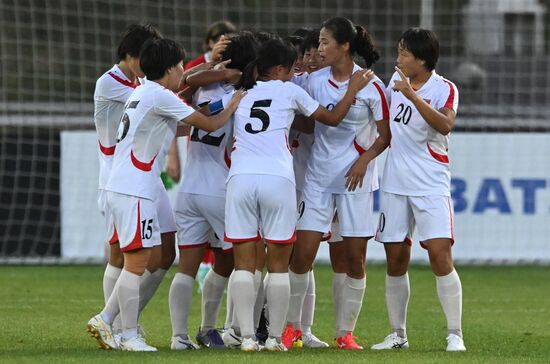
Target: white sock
{"type": "Point", "coordinates": [212, 292]}
{"type": "Point", "coordinates": [337, 285]}
{"type": "Point", "coordinates": [449, 290]}
{"type": "Point", "coordinates": [149, 286]}
{"type": "Point", "coordinates": [398, 291]}
{"type": "Point", "coordinates": [352, 294]}
{"type": "Point", "coordinates": [278, 295]}
{"type": "Point", "coordinates": [260, 297]}
{"type": "Point", "coordinates": [298, 289]}
{"type": "Point", "coordinates": [112, 308]}
{"type": "Point", "coordinates": [109, 280]}
{"type": "Point", "coordinates": [228, 304]}
{"type": "Point", "coordinates": [243, 294]}
{"type": "Point", "coordinates": [128, 299]}
{"type": "Point", "coordinates": [308, 308]}
{"type": "Point", "coordinates": [266, 308]}
{"type": "Point", "coordinates": [179, 302]}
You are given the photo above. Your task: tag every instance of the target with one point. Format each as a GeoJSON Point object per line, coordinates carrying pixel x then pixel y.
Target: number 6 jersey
{"type": "Point", "coordinates": [417, 162]}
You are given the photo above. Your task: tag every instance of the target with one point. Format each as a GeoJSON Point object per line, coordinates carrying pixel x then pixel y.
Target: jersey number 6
{"type": "Point", "coordinates": [258, 114]}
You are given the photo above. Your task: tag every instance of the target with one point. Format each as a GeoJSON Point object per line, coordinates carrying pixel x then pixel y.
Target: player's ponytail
{"type": "Point", "coordinates": [359, 39]}
{"type": "Point", "coordinates": [272, 53]}
{"type": "Point", "coordinates": [248, 78]}
{"type": "Point", "coordinates": [364, 46]}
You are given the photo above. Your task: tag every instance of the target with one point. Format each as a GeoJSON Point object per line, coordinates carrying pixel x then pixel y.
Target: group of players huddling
{"type": "Point", "coordinates": [283, 141]}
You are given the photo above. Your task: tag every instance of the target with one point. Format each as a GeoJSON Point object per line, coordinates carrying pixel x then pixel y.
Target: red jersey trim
{"type": "Point", "coordinates": [136, 243]}
{"type": "Point", "coordinates": [227, 159]}
{"type": "Point", "coordinates": [384, 102]}
{"type": "Point", "coordinates": [451, 99]}
{"type": "Point", "coordinates": [107, 150]}
{"type": "Point", "coordinates": [327, 236]}
{"type": "Point", "coordinates": [195, 62]}
{"type": "Point", "coordinates": [333, 84]}
{"type": "Point", "coordinates": [241, 240]}
{"type": "Point", "coordinates": [359, 148]}
{"type": "Point", "coordinates": [291, 240]}
{"type": "Point", "coordinates": [114, 238]}
{"type": "Point", "coordinates": [438, 157]}
{"type": "Point", "coordinates": [122, 81]}
{"type": "Point", "coordinates": [145, 167]}
{"type": "Point", "coordinates": [451, 217]}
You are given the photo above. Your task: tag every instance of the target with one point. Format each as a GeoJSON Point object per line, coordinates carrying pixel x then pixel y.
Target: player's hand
{"type": "Point", "coordinates": [403, 85]}
{"type": "Point", "coordinates": [219, 47]}
{"type": "Point", "coordinates": [236, 99]}
{"type": "Point", "coordinates": [356, 174]}
{"type": "Point", "coordinates": [221, 65]}
{"type": "Point", "coordinates": [360, 79]}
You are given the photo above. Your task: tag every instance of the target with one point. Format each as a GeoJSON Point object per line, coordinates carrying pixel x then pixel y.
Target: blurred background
{"type": "Point", "coordinates": [496, 51]}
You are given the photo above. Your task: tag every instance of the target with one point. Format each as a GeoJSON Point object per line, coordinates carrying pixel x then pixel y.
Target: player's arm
{"type": "Point", "coordinates": [213, 123]}
{"type": "Point", "coordinates": [333, 117]}
{"type": "Point", "coordinates": [356, 174]}
{"type": "Point", "coordinates": [218, 74]}
{"type": "Point", "coordinates": [442, 120]}
{"type": "Point", "coordinates": [183, 129]}
{"type": "Point", "coordinates": [303, 124]}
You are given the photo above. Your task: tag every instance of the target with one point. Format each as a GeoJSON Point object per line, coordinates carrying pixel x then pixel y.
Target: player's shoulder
{"type": "Point", "coordinates": [443, 84]}
{"type": "Point", "coordinates": [320, 75]}
{"type": "Point", "coordinates": [112, 82]}
{"type": "Point", "coordinates": [373, 88]}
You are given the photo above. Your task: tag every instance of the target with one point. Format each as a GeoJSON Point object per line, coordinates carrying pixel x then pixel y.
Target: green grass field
{"type": "Point", "coordinates": [506, 319]}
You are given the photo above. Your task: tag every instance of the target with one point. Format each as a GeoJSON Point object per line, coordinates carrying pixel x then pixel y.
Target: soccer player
{"type": "Point", "coordinates": [416, 184]}
{"type": "Point", "coordinates": [200, 209]}
{"type": "Point", "coordinates": [220, 29]}
{"type": "Point", "coordinates": [152, 111]}
{"type": "Point", "coordinates": [341, 175]}
{"type": "Point", "coordinates": [261, 194]}
{"type": "Point", "coordinates": [112, 91]}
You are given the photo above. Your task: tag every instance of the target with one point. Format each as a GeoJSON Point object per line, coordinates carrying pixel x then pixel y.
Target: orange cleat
{"type": "Point", "coordinates": [291, 337]}
{"type": "Point", "coordinates": [347, 342]}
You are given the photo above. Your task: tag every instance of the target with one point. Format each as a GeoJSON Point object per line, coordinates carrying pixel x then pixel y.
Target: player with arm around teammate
{"type": "Point", "coordinates": [341, 175]}
{"type": "Point", "coordinates": [261, 195]}
{"type": "Point", "coordinates": [416, 184]}
{"type": "Point", "coordinates": [152, 111]}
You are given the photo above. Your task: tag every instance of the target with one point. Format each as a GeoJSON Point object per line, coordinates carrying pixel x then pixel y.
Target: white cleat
{"type": "Point", "coordinates": [392, 341]}
{"type": "Point", "coordinates": [101, 331]}
{"type": "Point", "coordinates": [136, 344]}
{"type": "Point", "coordinates": [181, 343]}
{"type": "Point", "coordinates": [250, 345]}
{"type": "Point", "coordinates": [455, 343]}
{"type": "Point", "coordinates": [311, 341]}
{"type": "Point", "coordinates": [231, 339]}
{"type": "Point", "coordinates": [271, 344]}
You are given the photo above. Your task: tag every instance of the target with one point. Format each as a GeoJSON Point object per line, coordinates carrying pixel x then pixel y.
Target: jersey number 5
{"type": "Point", "coordinates": [257, 113]}
{"type": "Point", "coordinates": [403, 114]}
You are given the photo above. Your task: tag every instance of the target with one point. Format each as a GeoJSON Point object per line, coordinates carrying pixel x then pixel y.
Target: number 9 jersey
{"type": "Point", "coordinates": [417, 163]}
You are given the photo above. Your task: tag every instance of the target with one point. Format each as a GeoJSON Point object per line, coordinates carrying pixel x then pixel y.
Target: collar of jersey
{"type": "Point", "coordinates": [342, 83]}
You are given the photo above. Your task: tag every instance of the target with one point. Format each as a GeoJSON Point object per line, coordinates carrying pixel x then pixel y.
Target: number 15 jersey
{"type": "Point", "coordinates": [417, 162]}
{"type": "Point", "coordinates": [261, 125]}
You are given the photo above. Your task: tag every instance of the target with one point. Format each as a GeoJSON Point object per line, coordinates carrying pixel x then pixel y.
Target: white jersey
{"type": "Point", "coordinates": [112, 90]}
{"type": "Point", "coordinates": [208, 154]}
{"type": "Point", "coordinates": [261, 125]}
{"type": "Point", "coordinates": [337, 148]}
{"type": "Point", "coordinates": [417, 162]}
{"type": "Point", "coordinates": [300, 79]}
{"type": "Point", "coordinates": [151, 112]}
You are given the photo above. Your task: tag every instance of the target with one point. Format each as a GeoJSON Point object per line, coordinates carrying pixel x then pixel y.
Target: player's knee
{"type": "Point", "coordinates": [356, 266]}
{"type": "Point", "coordinates": [223, 264]}
{"type": "Point", "coordinates": [441, 264]}
{"type": "Point", "coordinates": [116, 258]}
{"type": "Point", "coordinates": [168, 257]}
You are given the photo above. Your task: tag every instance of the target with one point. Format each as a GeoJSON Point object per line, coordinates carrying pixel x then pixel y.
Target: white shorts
{"type": "Point", "coordinates": [327, 235]}
{"type": "Point", "coordinates": [335, 235]}
{"type": "Point", "coordinates": [263, 201]}
{"type": "Point", "coordinates": [167, 221]}
{"type": "Point", "coordinates": [112, 236]}
{"type": "Point", "coordinates": [200, 220]}
{"type": "Point", "coordinates": [432, 215]}
{"type": "Point", "coordinates": [355, 212]}
{"type": "Point", "coordinates": [136, 221]}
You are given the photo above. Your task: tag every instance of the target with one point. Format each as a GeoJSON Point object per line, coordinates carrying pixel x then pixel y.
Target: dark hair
{"type": "Point", "coordinates": [241, 50]}
{"type": "Point", "coordinates": [311, 40]}
{"type": "Point", "coordinates": [359, 39]}
{"type": "Point", "coordinates": [296, 41]}
{"type": "Point", "coordinates": [215, 30]}
{"type": "Point", "coordinates": [273, 53]}
{"type": "Point", "coordinates": [134, 37]}
{"type": "Point", "coordinates": [301, 32]}
{"type": "Point", "coordinates": [159, 55]}
{"type": "Point", "coordinates": [423, 44]}
{"type": "Point", "coordinates": [263, 37]}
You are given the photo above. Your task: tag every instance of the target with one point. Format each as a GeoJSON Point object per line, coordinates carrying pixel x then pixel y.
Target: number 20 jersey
{"type": "Point", "coordinates": [417, 163]}
{"type": "Point", "coordinates": [261, 125]}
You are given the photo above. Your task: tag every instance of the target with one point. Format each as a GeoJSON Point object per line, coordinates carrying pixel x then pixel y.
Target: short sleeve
{"type": "Point", "coordinates": [378, 101]}
{"type": "Point", "coordinates": [302, 103]}
{"type": "Point", "coordinates": [448, 97]}
{"type": "Point", "coordinates": [113, 89]}
{"type": "Point", "coordinates": [171, 106]}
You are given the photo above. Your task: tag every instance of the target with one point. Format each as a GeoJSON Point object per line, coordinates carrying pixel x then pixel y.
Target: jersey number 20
{"type": "Point", "coordinates": [257, 113]}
